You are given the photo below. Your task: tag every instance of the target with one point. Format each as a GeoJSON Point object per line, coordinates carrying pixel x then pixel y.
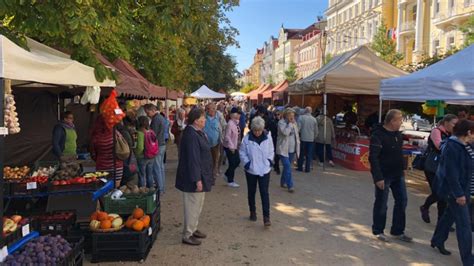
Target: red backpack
{"type": "Point", "coordinates": [151, 145]}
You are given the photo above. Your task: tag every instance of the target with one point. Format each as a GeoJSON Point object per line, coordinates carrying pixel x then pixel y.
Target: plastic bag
{"type": "Point", "coordinates": [92, 95]}
{"type": "Point", "coordinates": [111, 111]}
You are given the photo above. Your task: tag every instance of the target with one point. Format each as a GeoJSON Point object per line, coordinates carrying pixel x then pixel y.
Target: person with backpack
{"type": "Point", "coordinates": [454, 182]}
{"type": "Point", "coordinates": [146, 151]}
{"type": "Point", "coordinates": [438, 134]}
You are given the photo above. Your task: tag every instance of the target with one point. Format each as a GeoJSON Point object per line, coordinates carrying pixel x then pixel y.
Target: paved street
{"type": "Point", "coordinates": [326, 222]}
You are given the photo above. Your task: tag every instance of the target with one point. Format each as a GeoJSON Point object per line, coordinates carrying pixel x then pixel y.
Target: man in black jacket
{"type": "Point", "coordinates": [386, 163]}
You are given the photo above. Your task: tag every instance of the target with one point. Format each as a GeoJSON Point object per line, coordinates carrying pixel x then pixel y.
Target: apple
{"type": "Point", "coordinates": [16, 218]}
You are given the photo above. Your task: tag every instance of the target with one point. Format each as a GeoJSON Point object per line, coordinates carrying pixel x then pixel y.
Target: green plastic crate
{"type": "Point", "coordinates": [126, 205]}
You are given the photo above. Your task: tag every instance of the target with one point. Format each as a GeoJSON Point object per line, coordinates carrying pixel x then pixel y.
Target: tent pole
{"type": "Point", "coordinates": [380, 110]}
{"type": "Point", "coordinates": [2, 147]}
{"type": "Point", "coordinates": [325, 100]}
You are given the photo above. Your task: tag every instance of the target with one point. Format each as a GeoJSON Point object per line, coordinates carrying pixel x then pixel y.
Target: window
{"type": "Point", "coordinates": [350, 13]}
{"type": "Point", "coordinates": [435, 47]}
{"type": "Point", "coordinates": [369, 31]}
{"type": "Point", "coordinates": [363, 6]}
{"type": "Point", "coordinates": [436, 7]}
{"type": "Point", "coordinates": [370, 4]}
{"type": "Point", "coordinates": [414, 13]}
{"type": "Point", "coordinates": [376, 2]}
{"type": "Point", "coordinates": [451, 41]}
{"type": "Point", "coordinates": [356, 10]}
{"type": "Point", "coordinates": [345, 16]}
{"type": "Point", "coordinates": [362, 33]}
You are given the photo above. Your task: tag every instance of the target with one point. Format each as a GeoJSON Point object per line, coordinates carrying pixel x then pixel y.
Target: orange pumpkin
{"type": "Point", "coordinates": [138, 213]}
{"type": "Point", "coordinates": [101, 216]}
{"type": "Point", "coordinates": [146, 220]}
{"type": "Point", "coordinates": [105, 224]}
{"type": "Point", "coordinates": [129, 223]}
{"type": "Point", "coordinates": [138, 226]}
{"type": "Point", "coordinates": [94, 216]}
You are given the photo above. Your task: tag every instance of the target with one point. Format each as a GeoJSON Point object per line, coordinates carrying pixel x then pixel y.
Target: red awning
{"type": "Point", "coordinates": [126, 85]}
{"type": "Point", "coordinates": [278, 88]}
{"type": "Point", "coordinates": [156, 92]}
{"type": "Point", "coordinates": [249, 95]}
{"type": "Point", "coordinates": [265, 87]}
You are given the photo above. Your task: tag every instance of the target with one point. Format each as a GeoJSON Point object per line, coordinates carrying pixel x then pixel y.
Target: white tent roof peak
{"type": "Point", "coordinates": [205, 93]}
{"type": "Point", "coordinates": [451, 80]}
{"type": "Point", "coordinates": [43, 64]}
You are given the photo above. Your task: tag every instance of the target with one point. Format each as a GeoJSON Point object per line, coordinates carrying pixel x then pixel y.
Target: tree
{"type": "Point", "coordinates": [385, 47]}
{"type": "Point", "coordinates": [327, 58]}
{"type": "Point", "coordinates": [468, 30]}
{"type": "Point", "coordinates": [248, 88]}
{"type": "Point", "coordinates": [290, 73]}
{"type": "Point", "coordinates": [270, 80]}
{"type": "Point", "coordinates": [163, 39]}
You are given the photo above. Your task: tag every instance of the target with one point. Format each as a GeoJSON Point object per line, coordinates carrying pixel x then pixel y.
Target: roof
{"type": "Point", "coordinates": [355, 72]}
{"type": "Point", "coordinates": [43, 64]}
{"type": "Point", "coordinates": [293, 33]}
{"type": "Point", "coordinates": [280, 87]}
{"type": "Point", "coordinates": [450, 79]}
{"type": "Point", "coordinates": [263, 88]}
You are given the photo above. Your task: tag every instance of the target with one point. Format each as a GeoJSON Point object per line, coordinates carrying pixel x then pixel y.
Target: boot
{"type": "Point", "coordinates": [253, 216]}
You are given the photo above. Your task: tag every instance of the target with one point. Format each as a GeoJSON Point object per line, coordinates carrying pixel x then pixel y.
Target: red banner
{"type": "Point", "coordinates": [352, 155]}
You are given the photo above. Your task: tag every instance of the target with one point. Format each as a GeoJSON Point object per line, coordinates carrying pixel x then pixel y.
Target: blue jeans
{"type": "Point", "coordinates": [307, 150]}
{"type": "Point", "coordinates": [320, 152]}
{"type": "Point", "coordinates": [263, 183]}
{"type": "Point", "coordinates": [460, 215]}
{"type": "Point", "coordinates": [159, 169]}
{"type": "Point", "coordinates": [286, 178]}
{"type": "Point", "coordinates": [234, 161]}
{"type": "Point", "coordinates": [399, 192]}
{"type": "Point", "coordinates": [145, 172]}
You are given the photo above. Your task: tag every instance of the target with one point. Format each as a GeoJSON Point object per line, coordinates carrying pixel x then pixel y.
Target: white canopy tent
{"type": "Point", "coordinates": [205, 93]}
{"type": "Point", "coordinates": [450, 80]}
{"type": "Point", "coordinates": [43, 64]}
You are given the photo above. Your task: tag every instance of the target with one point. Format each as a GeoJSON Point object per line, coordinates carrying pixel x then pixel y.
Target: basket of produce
{"type": "Point", "coordinates": [15, 173]}
{"type": "Point", "coordinates": [45, 168]}
{"type": "Point", "coordinates": [103, 222]}
{"type": "Point", "coordinates": [131, 197]}
{"type": "Point", "coordinates": [14, 228]}
{"type": "Point", "coordinates": [68, 178]}
{"type": "Point", "coordinates": [57, 222]}
{"type": "Point", "coordinates": [46, 250]}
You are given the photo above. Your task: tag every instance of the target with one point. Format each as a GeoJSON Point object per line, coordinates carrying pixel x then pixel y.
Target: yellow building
{"type": "Point", "coordinates": [429, 27]}
{"type": "Point", "coordinates": [352, 23]}
{"type": "Point", "coordinates": [255, 69]}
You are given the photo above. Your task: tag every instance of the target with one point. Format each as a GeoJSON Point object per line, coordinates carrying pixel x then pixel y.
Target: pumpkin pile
{"type": "Point", "coordinates": [138, 221]}
{"type": "Point", "coordinates": [105, 221]}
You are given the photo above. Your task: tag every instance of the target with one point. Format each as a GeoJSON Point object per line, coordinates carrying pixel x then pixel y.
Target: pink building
{"type": "Point", "coordinates": [309, 53]}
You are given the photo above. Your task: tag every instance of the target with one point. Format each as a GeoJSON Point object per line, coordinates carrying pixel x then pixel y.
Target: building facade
{"type": "Point", "coordinates": [268, 60]}
{"type": "Point", "coordinates": [288, 39]}
{"type": "Point", "coordinates": [309, 53]}
{"type": "Point", "coordinates": [351, 23]}
{"type": "Point", "coordinates": [245, 78]}
{"type": "Point", "coordinates": [431, 27]}
{"type": "Point", "coordinates": [256, 67]}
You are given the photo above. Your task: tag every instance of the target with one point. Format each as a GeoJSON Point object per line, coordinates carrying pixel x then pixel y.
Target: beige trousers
{"type": "Point", "coordinates": [193, 203]}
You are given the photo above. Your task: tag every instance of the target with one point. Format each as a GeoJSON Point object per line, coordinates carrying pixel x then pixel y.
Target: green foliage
{"type": "Point", "coordinates": [468, 30]}
{"type": "Point", "coordinates": [165, 40]}
{"type": "Point", "coordinates": [328, 58]}
{"type": "Point", "coordinates": [385, 47]}
{"type": "Point", "coordinates": [270, 80]}
{"type": "Point", "coordinates": [290, 73]}
{"type": "Point", "coordinates": [248, 88]}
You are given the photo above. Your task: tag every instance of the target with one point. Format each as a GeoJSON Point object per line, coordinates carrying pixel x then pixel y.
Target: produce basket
{"type": "Point", "coordinates": [148, 202]}
{"type": "Point", "coordinates": [125, 245]}
{"type": "Point", "coordinates": [110, 230]}
{"type": "Point", "coordinates": [38, 164]}
{"type": "Point", "coordinates": [55, 223]}
{"type": "Point", "coordinates": [75, 187]}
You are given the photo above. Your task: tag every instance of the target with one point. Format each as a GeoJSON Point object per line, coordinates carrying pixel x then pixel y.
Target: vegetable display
{"type": "Point", "coordinates": [44, 250]}
{"type": "Point", "coordinates": [11, 116]}
{"type": "Point", "coordinates": [15, 172]}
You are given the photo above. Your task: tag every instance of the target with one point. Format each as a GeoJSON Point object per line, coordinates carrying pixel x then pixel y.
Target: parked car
{"type": "Point", "coordinates": [421, 124]}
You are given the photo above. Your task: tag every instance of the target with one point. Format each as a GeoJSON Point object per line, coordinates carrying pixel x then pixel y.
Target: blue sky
{"type": "Point", "coordinates": [257, 20]}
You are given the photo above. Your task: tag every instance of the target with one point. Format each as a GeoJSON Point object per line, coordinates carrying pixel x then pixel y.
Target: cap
{"type": "Point", "coordinates": [234, 110]}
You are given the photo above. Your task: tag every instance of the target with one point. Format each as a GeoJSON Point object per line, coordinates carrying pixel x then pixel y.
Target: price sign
{"type": "Point", "coordinates": [51, 228]}
{"type": "Point", "coordinates": [150, 231]}
{"type": "Point", "coordinates": [31, 185]}
{"type": "Point", "coordinates": [154, 197]}
{"type": "Point", "coordinates": [118, 111]}
{"type": "Point", "coordinates": [25, 230]}
{"type": "Point", "coordinates": [3, 131]}
{"type": "Point", "coordinates": [3, 253]}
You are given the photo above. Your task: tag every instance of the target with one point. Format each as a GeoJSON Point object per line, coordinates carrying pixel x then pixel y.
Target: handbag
{"type": "Point", "coordinates": [419, 162]}
{"type": "Point", "coordinates": [432, 161]}
{"type": "Point", "coordinates": [122, 151]}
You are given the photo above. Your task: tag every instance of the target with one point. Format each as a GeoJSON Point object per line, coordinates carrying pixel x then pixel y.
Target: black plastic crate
{"type": "Point", "coordinates": [155, 217]}
{"type": "Point", "coordinates": [51, 226]}
{"type": "Point", "coordinates": [15, 236]}
{"type": "Point", "coordinates": [21, 188]}
{"type": "Point", "coordinates": [82, 229]}
{"type": "Point", "coordinates": [124, 245]}
{"type": "Point", "coordinates": [76, 256]}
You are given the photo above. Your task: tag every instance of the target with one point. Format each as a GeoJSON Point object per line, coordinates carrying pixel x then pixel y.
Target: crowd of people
{"type": "Point", "coordinates": [448, 167]}
{"type": "Point", "coordinates": [211, 136]}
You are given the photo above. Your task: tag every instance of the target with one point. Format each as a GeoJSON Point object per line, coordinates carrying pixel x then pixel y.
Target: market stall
{"type": "Point", "coordinates": [256, 96]}
{"type": "Point", "coordinates": [268, 95]}
{"type": "Point", "coordinates": [205, 93]}
{"type": "Point", "coordinates": [356, 74]}
{"type": "Point", "coordinates": [45, 73]}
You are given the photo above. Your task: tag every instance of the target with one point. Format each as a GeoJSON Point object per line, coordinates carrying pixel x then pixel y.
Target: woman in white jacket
{"type": "Point", "coordinates": [256, 153]}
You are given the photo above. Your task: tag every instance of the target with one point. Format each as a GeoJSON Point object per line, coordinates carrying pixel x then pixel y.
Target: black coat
{"type": "Point", "coordinates": [195, 161]}
{"type": "Point", "coordinates": [386, 154]}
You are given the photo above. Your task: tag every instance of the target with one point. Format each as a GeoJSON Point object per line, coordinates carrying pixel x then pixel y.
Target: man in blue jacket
{"type": "Point", "coordinates": [386, 163]}
{"type": "Point", "coordinates": [65, 137]}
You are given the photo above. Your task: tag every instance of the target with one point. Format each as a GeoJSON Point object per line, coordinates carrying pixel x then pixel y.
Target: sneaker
{"type": "Point", "coordinates": [404, 238]}
{"type": "Point", "coordinates": [233, 184]}
{"type": "Point", "coordinates": [425, 214]}
{"type": "Point", "coordinates": [382, 237]}
{"type": "Point", "coordinates": [283, 185]}
{"type": "Point", "coordinates": [332, 164]}
{"type": "Point", "coordinates": [291, 190]}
